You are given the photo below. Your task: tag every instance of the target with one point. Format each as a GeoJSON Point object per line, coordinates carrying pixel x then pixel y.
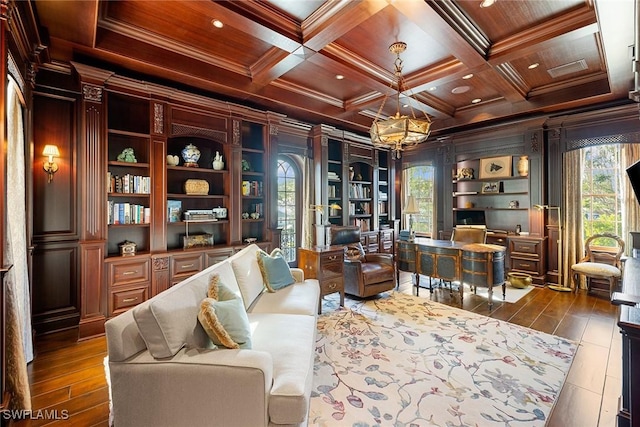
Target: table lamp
{"type": "Point", "coordinates": [411, 208]}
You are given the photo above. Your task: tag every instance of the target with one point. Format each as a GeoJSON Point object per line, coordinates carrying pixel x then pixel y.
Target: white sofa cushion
{"type": "Point", "coordinates": [169, 321]}
{"type": "Point", "coordinates": [299, 298]}
{"type": "Point", "coordinates": [247, 272]}
{"type": "Point", "coordinates": [290, 339]}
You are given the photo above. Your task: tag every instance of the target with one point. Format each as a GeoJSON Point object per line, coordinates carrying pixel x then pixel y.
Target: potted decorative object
{"type": "Point", "coordinates": [218, 163]}
{"type": "Point", "coordinates": [245, 166]}
{"type": "Point", "coordinates": [173, 160]}
{"type": "Point", "coordinates": [191, 155]}
{"type": "Point", "coordinates": [519, 280]}
{"type": "Point", "coordinates": [127, 155]}
{"type": "Point", "coordinates": [523, 166]}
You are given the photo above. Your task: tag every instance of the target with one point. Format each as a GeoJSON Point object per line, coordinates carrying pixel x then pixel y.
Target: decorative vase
{"type": "Point", "coordinates": [523, 166]}
{"type": "Point", "coordinates": [191, 154]}
{"type": "Point", "coordinates": [218, 164]}
{"type": "Point", "coordinates": [351, 173]}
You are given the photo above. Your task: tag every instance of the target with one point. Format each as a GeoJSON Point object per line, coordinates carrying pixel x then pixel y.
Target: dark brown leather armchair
{"type": "Point", "coordinates": [365, 274]}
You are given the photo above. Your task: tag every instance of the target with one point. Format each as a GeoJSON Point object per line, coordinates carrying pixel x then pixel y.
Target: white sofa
{"type": "Point", "coordinates": [190, 383]}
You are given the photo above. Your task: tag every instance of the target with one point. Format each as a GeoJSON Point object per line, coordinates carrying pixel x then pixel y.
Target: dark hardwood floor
{"type": "Point", "coordinates": [69, 376]}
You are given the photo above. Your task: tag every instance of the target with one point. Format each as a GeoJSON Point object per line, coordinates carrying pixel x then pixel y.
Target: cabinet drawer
{"type": "Point", "coordinates": [497, 240]}
{"type": "Point", "coordinates": [523, 264]}
{"type": "Point", "coordinates": [125, 299]}
{"type": "Point", "coordinates": [125, 273]}
{"type": "Point", "coordinates": [331, 285]}
{"type": "Point", "coordinates": [332, 269]}
{"type": "Point", "coordinates": [186, 264]}
{"type": "Point", "coordinates": [330, 257]}
{"type": "Point", "coordinates": [525, 246]}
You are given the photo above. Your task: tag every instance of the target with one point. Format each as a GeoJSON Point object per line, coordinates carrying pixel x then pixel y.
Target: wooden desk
{"type": "Point", "coordinates": [325, 263]}
{"type": "Point", "coordinates": [473, 263]}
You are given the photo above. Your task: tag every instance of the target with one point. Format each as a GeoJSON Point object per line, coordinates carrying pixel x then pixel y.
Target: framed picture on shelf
{"type": "Point", "coordinates": [495, 167]}
{"type": "Point", "coordinates": [491, 187]}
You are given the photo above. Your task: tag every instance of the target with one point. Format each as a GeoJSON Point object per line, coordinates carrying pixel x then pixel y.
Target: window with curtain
{"type": "Point", "coordinates": [418, 181]}
{"type": "Point", "coordinates": [602, 190]}
{"type": "Point", "coordinates": [287, 207]}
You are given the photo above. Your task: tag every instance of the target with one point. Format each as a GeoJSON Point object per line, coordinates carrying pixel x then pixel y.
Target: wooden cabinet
{"type": "Point", "coordinates": [128, 173]}
{"type": "Point", "coordinates": [192, 190]}
{"type": "Point", "coordinates": [386, 241]}
{"type": "Point", "coordinates": [500, 203]}
{"type": "Point", "coordinates": [528, 255]}
{"type": "Point", "coordinates": [128, 282]}
{"type": "Point", "coordinates": [184, 265]}
{"type": "Point", "coordinates": [254, 183]}
{"type": "Point", "coordinates": [325, 263]}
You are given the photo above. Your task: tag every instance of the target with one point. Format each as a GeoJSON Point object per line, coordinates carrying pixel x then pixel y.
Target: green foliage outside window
{"type": "Point", "coordinates": [602, 199]}
{"type": "Point", "coordinates": [418, 181]}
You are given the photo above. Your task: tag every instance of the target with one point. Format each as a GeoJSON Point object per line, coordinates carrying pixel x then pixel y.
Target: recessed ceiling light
{"type": "Point", "coordinates": [339, 76]}
{"type": "Point", "coordinates": [534, 65]}
{"type": "Point", "coordinates": [432, 88]}
{"type": "Point", "coordinates": [460, 89]}
{"type": "Point", "coordinates": [217, 23]}
{"type": "Point", "coordinates": [467, 77]}
{"type": "Point", "coordinates": [487, 3]}
{"type": "Point", "coordinates": [475, 101]}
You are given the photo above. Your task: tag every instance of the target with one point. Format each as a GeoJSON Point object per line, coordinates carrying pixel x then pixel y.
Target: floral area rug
{"type": "Point", "coordinates": [400, 360]}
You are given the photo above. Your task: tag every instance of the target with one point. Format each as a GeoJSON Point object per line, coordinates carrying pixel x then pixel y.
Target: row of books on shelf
{"type": "Point", "coordinates": [359, 191]}
{"type": "Point", "coordinates": [128, 184]}
{"type": "Point", "coordinates": [332, 191]}
{"type": "Point", "coordinates": [333, 176]}
{"type": "Point", "coordinates": [363, 224]}
{"type": "Point", "coordinates": [359, 208]}
{"type": "Point", "coordinates": [127, 213]}
{"type": "Point", "coordinates": [252, 188]}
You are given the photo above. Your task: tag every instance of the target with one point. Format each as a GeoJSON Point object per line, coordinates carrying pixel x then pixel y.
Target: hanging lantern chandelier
{"type": "Point", "coordinates": [399, 131]}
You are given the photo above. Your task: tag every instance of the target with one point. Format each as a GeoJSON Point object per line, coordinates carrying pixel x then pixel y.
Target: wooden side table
{"type": "Point", "coordinates": [325, 263]}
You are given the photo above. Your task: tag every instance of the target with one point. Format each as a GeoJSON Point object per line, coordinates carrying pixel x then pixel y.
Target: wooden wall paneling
{"type": "Point", "coordinates": [158, 195]}
{"type": "Point", "coordinates": [235, 168]}
{"type": "Point", "coordinates": [55, 301]}
{"type": "Point", "coordinates": [55, 202]}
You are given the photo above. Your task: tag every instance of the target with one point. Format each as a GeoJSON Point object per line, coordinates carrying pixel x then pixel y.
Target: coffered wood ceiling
{"type": "Point", "coordinates": [284, 55]}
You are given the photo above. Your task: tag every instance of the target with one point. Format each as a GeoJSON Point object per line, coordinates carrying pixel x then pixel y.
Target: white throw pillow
{"type": "Point", "coordinates": [248, 275]}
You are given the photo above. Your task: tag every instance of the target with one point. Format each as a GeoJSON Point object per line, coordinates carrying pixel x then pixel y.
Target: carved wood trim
{"type": "Point", "coordinates": [92, 93]}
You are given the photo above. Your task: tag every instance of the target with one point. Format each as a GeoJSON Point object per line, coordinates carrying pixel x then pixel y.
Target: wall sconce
{"type": "Point", "coordinates": [50, 166]}
{"type": "Point", "coordinates": [411, 208]}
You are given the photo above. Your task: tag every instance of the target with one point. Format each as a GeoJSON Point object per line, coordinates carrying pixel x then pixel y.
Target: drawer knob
{"type": "Point", "coordinates": [130, 299]}
{"type": "Point", "coordinates": [187, 266]}
{"type": "Point", "coordinates": [333, 257]}
{"type": "Point", "coordinates": [129, 273]}
{"type": "Point", "coordinates": [525, 265]}
{"type": "Point", "coordinates": [333, 285]}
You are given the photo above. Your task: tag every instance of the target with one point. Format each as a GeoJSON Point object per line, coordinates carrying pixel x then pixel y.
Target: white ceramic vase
{"type": "Point", "coordinates": [523, 166]}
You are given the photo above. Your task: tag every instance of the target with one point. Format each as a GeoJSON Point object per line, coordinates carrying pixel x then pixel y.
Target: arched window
{"type": "Point", "coordinates": [288, 212]}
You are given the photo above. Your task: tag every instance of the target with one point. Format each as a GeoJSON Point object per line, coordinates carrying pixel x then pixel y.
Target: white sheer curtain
{"type": "Point", "coordinates": [18, 328]}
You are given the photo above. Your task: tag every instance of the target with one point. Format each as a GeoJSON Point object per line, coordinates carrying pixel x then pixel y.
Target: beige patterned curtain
{"type": "Point", "coordinates": [18, 321]}
{"type": "Point", "coordinates": [630, 210]}
{"type": "Point", "coordinates": [308, 231]}
{"type": "Point", "coordinates": [572, 221]}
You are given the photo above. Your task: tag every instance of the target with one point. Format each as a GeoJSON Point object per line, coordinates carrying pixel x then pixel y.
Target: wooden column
{"type": "Point", "coordinates": [91, 165]}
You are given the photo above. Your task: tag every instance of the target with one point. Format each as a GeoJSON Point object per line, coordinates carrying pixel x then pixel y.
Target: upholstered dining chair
{"type": "Point", "coordinates": [469, 235]}
{"type": "Point", "coordinates": [365, 274]}
{"type": "Point", "coordinates": [600, 262]}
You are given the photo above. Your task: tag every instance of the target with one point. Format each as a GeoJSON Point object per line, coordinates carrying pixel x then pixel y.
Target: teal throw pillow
{"type": "Point", "coordinates": [225, 319]}
{"type": "Point", "coordinates": [276, 273]}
